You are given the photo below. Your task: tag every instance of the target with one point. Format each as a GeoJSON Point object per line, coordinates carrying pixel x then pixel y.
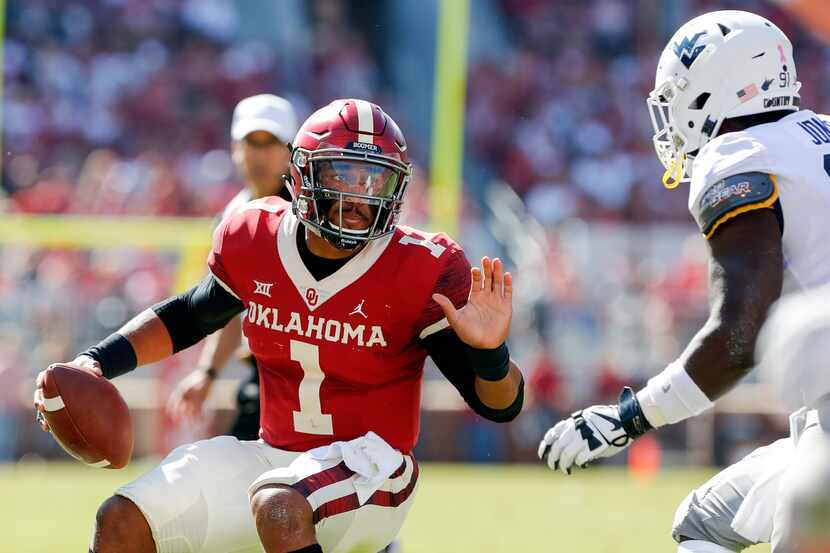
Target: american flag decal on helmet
{"type": "Point", "coordinates": [747, 93]}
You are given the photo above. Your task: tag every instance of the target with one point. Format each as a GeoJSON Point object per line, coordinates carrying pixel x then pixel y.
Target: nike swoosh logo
{"type": "Point", "coordinates": [615, 423]}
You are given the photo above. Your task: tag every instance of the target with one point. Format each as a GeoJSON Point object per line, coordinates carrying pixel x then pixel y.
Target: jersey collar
{"type": "Point", "coordinates": [315, 293]}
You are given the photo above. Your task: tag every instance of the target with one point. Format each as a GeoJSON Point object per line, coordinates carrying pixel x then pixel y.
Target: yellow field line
{"type": "Point", "coordinates": [448, 113]}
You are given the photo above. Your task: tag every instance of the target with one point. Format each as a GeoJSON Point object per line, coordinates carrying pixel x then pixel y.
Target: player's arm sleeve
{"type": "Point", "coordinates": [451, 357]}
{"type": "Point", "coordinates": [732, 196]}
{"type": "Point", "coordinates": [200, 311]}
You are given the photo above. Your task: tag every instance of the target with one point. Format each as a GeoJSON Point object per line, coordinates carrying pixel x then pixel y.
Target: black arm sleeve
{"type": "Point", "coordinates": [200, 311]}
{"type": "Point", "coordinates": [451, 356]}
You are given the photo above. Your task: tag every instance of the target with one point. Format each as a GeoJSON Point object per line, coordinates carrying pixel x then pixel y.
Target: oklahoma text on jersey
{"type": "Point", "coordinates": [320, 328]}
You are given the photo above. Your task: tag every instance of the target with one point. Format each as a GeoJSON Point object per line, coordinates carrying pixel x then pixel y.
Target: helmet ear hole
{"type": "Point", "coordinates": [691, 124]}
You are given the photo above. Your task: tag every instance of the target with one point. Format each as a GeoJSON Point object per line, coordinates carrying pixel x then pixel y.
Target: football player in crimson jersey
{"type": "Point", "coordinates": [342, 306]}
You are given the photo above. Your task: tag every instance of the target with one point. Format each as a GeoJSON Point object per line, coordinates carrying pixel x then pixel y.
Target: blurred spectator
{"type": "Point", "coordinates": [608, 382]}
{"type": "Point", "coordinates": [547, 387]}
{"type": "Point", "coordinates": [546, 401]}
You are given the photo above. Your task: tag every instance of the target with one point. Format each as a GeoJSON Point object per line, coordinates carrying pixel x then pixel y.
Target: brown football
{"type": "Point", "coordinates": [88, 417]}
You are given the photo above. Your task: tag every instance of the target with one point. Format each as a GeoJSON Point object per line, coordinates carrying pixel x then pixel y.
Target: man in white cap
{"type": "Point", "coordinates": [261, 132]}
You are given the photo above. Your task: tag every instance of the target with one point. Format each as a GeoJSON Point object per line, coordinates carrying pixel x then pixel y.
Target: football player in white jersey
{"type": "Point", "coordinates": [725, 110]}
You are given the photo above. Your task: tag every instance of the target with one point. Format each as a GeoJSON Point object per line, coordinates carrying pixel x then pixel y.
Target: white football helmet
{"type": "Point", "coordinates": [719, 65]}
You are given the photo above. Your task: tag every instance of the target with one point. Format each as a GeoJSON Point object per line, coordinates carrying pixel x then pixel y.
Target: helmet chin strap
{"type": "Point", "coordinates": [331, 236]}
{"type": "Point", "coordinates": [342, 239]}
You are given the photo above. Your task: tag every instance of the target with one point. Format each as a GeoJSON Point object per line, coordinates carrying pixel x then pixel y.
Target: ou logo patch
{"type": "Point", "coordinates": [311, 296]}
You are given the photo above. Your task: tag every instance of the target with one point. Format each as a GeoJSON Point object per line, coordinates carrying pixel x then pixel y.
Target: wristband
{"type": "Point", "coordinates": [490, 364]}
{"type": "Point", "coordinates": [115, 354]}
{"type": "Point", "coordinates": [672, 396]}
{"type": "Point", "coordinates": [632, 418]}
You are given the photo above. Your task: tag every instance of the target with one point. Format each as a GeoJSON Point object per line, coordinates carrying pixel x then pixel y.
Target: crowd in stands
{"type": "Point", "coordinates": [122, 107]}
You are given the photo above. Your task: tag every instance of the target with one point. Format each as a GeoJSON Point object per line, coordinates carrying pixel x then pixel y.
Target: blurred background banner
{"type": "Point", "coordinates": [527, 123]}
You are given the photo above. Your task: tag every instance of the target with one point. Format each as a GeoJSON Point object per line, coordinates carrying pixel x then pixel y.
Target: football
{"type": "Point", "coordinates": [88, 417]}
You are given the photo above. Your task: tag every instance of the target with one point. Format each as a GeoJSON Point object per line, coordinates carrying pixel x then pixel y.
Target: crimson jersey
{"type": "Point", "coordinates": [340, 356]}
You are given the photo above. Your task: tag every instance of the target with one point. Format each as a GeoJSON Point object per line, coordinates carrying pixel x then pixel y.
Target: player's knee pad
{"type": "Point", "coordinates": [697, 546]}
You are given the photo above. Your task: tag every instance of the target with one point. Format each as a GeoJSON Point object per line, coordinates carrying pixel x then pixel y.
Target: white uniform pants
{"type": "Point", "coordinates": [197, 499]}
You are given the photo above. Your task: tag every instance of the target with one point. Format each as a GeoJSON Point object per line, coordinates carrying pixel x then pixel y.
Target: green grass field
{"type": "Point", "coordinates": [49, 508]}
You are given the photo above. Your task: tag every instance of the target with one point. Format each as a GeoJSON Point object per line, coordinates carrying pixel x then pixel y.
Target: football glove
{"type": "Point", "coordinates": [593, 433]}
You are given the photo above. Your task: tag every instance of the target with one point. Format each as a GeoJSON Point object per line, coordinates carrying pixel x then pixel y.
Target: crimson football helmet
{"type": "Point", "coordinates": [349, 173]}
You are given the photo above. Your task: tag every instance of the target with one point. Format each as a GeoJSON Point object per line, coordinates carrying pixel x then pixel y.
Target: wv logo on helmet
{"type": "Point", "coordinates": [687, 51]}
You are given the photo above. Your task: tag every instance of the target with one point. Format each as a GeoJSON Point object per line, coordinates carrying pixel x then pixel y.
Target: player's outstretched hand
{"type": "Point", "coordinates": [587, 435]}
{"type": "Point", "coordinates": [484, 321]}
{"type": "Point", "coordinates": [81, 362]}
{"type": "Point", "coordinates": [188, 399]}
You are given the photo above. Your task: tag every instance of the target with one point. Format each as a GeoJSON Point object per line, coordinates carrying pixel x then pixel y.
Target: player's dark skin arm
{"type": "Point", "coordinates": [745, 275]}
{"type": "Point", "coordinates": [149, 337]}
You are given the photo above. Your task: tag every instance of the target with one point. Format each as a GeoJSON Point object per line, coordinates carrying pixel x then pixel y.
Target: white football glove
{"type": "Point", "coordinates": [587, 435]}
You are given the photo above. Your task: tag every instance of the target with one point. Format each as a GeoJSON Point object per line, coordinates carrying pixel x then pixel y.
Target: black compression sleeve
{"type": "Point", "coordinates": [200, 311]}
{"type": "Point", "coordinates": [453, 359]}
{"type": "Point", "coordinates": [115, 355]}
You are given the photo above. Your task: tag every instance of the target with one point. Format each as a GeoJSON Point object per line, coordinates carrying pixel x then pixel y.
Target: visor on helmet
{"type": "Point", "coordinates": [351, 198]}
{"type": "Point", "coordinates": [357, 179]}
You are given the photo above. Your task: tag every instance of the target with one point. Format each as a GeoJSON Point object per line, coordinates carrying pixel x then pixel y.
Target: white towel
{"type": "Point", "coordinates": [369, 456]}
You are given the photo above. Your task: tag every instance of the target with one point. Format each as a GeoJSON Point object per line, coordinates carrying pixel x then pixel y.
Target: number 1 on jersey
{"type": "Point", "coordinates": [434, 249]}
{"type": "Point", "coordinates": [310, 419]}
